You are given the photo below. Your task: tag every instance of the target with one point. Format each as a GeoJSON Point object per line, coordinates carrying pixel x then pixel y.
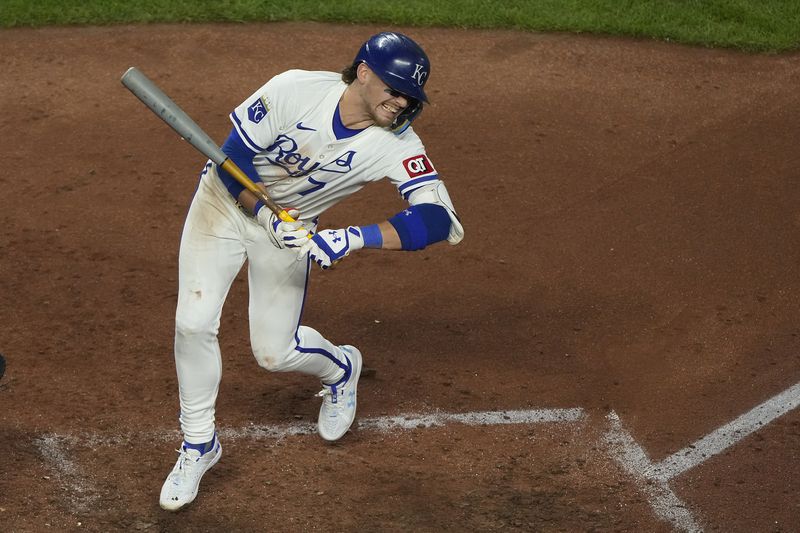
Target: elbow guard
{"type": "Point", "coordinates": [436, 193]}
{"type": "Point", "coordinates": [421, 225]}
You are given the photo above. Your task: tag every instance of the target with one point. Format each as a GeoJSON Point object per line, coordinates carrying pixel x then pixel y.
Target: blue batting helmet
{"type": "Point", "coordinates": [402, 65]}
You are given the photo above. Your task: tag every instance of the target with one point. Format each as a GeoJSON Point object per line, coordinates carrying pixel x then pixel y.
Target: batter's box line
{"type": "Point", "coordinates": [385, 424]}
{"type": "Point", "coordinates": [80, 493]}
{"type": "Point", "coordinates": [381, 424]}
{"type": "Point", "coordinates": [654, 477]}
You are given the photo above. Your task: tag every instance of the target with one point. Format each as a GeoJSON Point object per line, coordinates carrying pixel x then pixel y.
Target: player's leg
{"type": "Point", "coordinates": [211, 254]}
{"type": "Point", "coordinates": [278, 283]}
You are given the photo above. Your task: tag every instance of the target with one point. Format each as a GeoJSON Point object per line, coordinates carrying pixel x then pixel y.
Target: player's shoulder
{"type": "Point", "coordinates": [406, 142]}
{"type": "Point", "coordinates": [304, 81]}
{"type": "Point", "coordinates": [404, 156]}
{"type": "Point", "coordinates": [310, 75]}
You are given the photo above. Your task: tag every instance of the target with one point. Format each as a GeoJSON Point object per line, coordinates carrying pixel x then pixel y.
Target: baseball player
{"type": "Point", "coordinates": [310, 139]}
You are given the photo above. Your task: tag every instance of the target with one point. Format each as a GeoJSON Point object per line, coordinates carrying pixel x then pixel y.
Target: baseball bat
{"type": "Point", "coordinates": [163, 106]}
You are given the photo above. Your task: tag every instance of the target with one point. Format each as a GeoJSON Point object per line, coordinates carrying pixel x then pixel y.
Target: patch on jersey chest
{"type": "Point", "coordinates": [258, 110]}
{"type": "Point", "coordinates": [419, 165]}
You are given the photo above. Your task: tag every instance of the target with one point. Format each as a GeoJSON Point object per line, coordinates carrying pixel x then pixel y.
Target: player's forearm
{"type": "Point", "coordinates": [391, 240]}
{"type": "Point", "coordinates": [412, 229]}
{"type": "Point", "coordinates": [247, 200]}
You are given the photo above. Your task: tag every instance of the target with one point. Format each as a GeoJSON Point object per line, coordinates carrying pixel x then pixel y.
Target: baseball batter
{"type": "Point", "coordinates": [310, 139]}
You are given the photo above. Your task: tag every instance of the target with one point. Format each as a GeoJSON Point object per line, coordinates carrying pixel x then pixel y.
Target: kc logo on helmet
{"type": "Point", "coordinates": [417, 166]}
{"type": "Point", "coordinates": [419, 74]}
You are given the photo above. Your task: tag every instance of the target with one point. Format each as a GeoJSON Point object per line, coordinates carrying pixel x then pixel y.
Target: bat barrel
{"type": "Point", "coordinates": [163, 106]}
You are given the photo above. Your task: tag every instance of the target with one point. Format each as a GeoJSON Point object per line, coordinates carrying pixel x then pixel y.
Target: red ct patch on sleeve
{"type": "Point", "coordinates": [417, 166]}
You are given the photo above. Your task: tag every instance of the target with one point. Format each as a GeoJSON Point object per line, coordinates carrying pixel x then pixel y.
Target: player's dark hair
{"type": "Point", "coordinates": [350, 73]}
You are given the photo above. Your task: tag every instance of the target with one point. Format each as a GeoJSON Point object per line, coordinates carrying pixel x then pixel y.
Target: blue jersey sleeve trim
{"type": "Point", "coordinates": [408, 187]}
{"type": "Point", "coordinates": [242, 156]}
{"type": "Point", "coordinates": [251, 144]}
{"type": "Point", "coordinates": [421, 225]}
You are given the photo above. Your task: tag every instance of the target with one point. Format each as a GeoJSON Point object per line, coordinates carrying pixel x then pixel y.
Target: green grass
{"type": "Point", "coordinates": [750, 25]}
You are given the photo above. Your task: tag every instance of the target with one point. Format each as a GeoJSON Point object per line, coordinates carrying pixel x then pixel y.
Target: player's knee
{"type": "Point", "coordinates": [272, 359]}
{"type": "Point", "coordinates": [269, 361]}
{"type": "Point", "coordinates": [194, 326]}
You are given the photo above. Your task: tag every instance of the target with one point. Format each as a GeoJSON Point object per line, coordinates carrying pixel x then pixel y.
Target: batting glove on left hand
{"type": "Point", "coordinates": [328, 246]}
{"type": "Point", "coordinates": [276, 228]}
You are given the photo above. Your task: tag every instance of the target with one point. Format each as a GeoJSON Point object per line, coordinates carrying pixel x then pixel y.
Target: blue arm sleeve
{"type": "Point", "coordinates": [242, 156]}
{"type": "Point", "coordinates": [421, 225]}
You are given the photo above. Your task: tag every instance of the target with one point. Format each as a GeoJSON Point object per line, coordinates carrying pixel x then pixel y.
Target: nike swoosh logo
{"type": "Point", "coordinates": [301, 127]}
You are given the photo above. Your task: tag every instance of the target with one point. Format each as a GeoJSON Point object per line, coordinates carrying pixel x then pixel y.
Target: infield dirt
{"type": "Point", "coordinates": [632, 243]}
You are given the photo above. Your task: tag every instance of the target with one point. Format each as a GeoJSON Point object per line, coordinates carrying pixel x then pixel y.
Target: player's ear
{"type": "Point", "coordinates": [363, 72]}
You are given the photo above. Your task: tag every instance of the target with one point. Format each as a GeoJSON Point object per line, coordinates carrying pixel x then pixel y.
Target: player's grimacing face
{"type": "Point", "coordinates": [383, 103]}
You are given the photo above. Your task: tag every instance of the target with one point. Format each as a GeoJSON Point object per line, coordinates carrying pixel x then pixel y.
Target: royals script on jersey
{"type": "Point", "coordinates": [289, 124]}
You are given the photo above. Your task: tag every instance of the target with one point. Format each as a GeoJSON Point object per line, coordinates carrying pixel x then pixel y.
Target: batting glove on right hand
{"type": "Point", "coordinates": [328, 246]}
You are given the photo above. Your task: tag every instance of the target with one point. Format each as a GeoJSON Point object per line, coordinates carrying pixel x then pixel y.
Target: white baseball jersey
{"type": "Point", "coordinates": [288, 122]}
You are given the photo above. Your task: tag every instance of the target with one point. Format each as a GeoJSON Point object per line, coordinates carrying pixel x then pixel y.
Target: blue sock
{"type": "Point", "coordinates": [202, 448]}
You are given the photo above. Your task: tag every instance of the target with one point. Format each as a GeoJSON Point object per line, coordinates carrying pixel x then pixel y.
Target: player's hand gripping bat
{"type": "Point", "coordinates": [163, 106]}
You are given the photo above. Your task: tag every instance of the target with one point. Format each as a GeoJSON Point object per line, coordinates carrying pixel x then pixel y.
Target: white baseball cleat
{"type": "Point", "coordinates": [339, 401]}
{"type": "Point", "coordinates": [182, 483]}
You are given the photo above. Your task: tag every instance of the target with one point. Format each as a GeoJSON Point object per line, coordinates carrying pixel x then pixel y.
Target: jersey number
{"type": "Point", "coordinates": [316, 185]}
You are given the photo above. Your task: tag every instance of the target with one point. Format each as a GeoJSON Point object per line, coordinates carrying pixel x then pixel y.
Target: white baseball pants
{"type": "Point", "coordinates": [217, 238]}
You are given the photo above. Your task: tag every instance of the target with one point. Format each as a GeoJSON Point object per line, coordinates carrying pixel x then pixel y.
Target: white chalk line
{"type": "Point", "coordinates": [634, 459]}
{"type": "Point", "coordinates": [719, 440]}
{"type": "Point", "coordinates": [476, 418]}
{"type": "Point", "coordinates": [654, 478]}
{"type": "Point", "coordinates": [81, 494]}
{"type": "Point", "coordinates": [381, 424]}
